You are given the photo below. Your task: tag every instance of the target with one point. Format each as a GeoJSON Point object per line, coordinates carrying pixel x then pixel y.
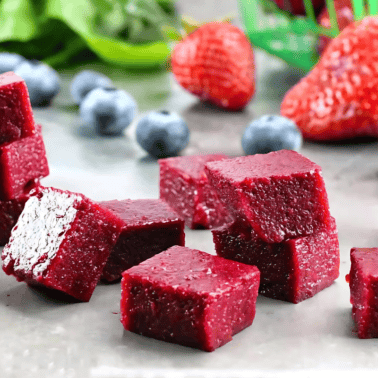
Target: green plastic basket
{"type": "Point", "coordinates": [293, 38]}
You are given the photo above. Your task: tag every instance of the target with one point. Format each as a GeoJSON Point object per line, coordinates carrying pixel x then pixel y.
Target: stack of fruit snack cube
{"type": "Point", "coordinates": [22, 152]}
{"type": "Point", "coordinates": [185, 187]}
{"type": "Point", "coordinates": [61, 240]}
{"type": "Point", "coordinates": [282, 223]}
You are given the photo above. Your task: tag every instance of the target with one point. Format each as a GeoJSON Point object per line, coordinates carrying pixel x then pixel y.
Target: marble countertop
{"type": "Point", "coordinates": [44, 338]}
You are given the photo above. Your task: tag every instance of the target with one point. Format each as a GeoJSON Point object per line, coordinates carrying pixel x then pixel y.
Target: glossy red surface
{"type": "Point", "coordinates": [150, 226]}
{"type": "Point", "coordinates": [337, 100]}
{"type": "Point", "coordinates": [216, 64]}
{"type": "Point", "coordinates": [293, 270]}
{"type": "Point", "coordinates": [189, 297]}
{"type": "Point", "coordinates": [63, 245]}
{"type": "Point", "coordinates": [21, 163]}
{"type": "Point", "coordinates": [363, 282]}
{"type": "Point", "coordinates": [16, 116]}
{"type": "Point", "coordinates": [280, 195]}
{"type": "Point", "coordinates": [185, 187]}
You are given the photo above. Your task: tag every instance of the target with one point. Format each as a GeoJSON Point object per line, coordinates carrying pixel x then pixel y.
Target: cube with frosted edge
{"type": "Point", "coordinates": [61, 241]}
{"type": "Point", "coordinates": [189, 297]}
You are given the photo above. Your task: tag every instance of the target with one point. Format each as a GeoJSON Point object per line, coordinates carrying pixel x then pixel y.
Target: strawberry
{"type": "Point", "coordinates": [344, 12]}
{"type": "Point", "coordinates": [216, 63]}
{"type": "Point", "coordinates": [338, 99]}
{"type": "Point", "coordinates": [297, 6]}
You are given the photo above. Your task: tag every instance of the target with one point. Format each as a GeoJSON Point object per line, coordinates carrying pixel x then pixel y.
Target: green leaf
{"type": "Point", "coordinates": [147, 19]}
{"type": "Point", "coordinates": [55, 38]}
{"type": "Point", "coordinates": [80, 16]}
{"type": "Point", "coordinates": [17, 21]}
{"type": "Point", "coordinates": [104, 6]}
{"type": "Point", "coordinates": [65, 55]}
{"type": "Point", "coordinates": [123, 32]}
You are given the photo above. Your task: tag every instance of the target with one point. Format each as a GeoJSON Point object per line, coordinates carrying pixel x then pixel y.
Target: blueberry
{"type": "Point", "coordinates": [85, 81]}
{"type": "Point", "coordinates": [9, 61]}
{"type": "Point", "coordinates": [271, 133]}
{"type": "Point", "coordinates": [42, 81]}
{"type": "Point", "coordinates": [162, 134]}
{"type": "Point", "coordinates": [108, 110]}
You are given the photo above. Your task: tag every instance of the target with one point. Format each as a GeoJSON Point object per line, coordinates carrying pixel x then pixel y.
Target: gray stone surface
{"type": "Point", "coordinates": [44, 338]}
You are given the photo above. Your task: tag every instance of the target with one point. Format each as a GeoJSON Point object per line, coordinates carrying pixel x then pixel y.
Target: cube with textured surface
{"type": "Point", "coordinates": [189, 297]}
{"type": "Point", "coordinates": [363, 282]}
{"type": "Point", "coordinates": [22, 162]}
{"type": "Point", "coordinates": [61, 241]}
{"type": "Point", "coordinates": [150, 226]}
{"type": "Point", "coordinates": [16, 115]}
{"type": "Point", "coordinates": [280, 195]}
{"type": "Point", "coordinates": [293, 270]}
{"type": "Point", "coordinates": [185, 187]}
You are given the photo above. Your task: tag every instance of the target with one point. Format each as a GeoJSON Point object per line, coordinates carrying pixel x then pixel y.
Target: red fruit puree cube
{"type": "Point", "coordinates": [189, 297]}
{"type": "Point", "coordinates": [185, 187]}
{"type": "Point", "coordinates": [21, 163]}
{"type": "Point", "coordinates": [150, 226]}
{"type": "Point", "coordinates": [9, 213]}
{"type": "Point", "coordinates": [61, 241]}
{"type": "Point", "coordinates": [281, 194]}
{"type": "Point", "coordinates": [363, 282]}
{"type": "Point", "coordinates": [16, 116]}
{"type": "Point", "coordinates": [293, 270]}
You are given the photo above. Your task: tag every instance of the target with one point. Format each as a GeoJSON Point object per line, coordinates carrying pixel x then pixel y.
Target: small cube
{"type": "Point", "coordinates": [189, 297]}
{"type": "Point", "coordinates": [293, 270]}
{"type": "Point", "coordinates": [185, 187]}
{"type": "Point", "coordinates": [21, 163]}
{"type": "Point", "coordinates": [363, 282]}
{"type": "Point", "coordinates": [10, 212]}
{"type": "Point", "coordinates": [150, 226]}
{"type": "Point", "coordinates": [16, 115]}
{"type": "Point", "coordinates": [281, 194]}
{"type": "Point", "coordinates": [61, 241]}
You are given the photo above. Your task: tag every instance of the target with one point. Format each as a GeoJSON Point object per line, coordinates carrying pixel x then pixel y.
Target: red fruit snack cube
{"type": "Point", "coordinates": [16, 116]}
{"type": "Point", "coordinates": [189, 297]}
{"type": "Point", "coordinates": [21, 163]}
{"type": "Point", "coordinates": [10, 212]}
{"type": "Point", "coordinates": [281, 194]}
{"type": "Point", "coordinates": [185, 187]}
{"type": "Point", "coordinates": [293, 270]}
{"type": "Point", "coordinates": [61, 241]}
{"type": "Point", "coordinates": [363, 282]}
{"type": "Point", "coordinates": [150, 226]}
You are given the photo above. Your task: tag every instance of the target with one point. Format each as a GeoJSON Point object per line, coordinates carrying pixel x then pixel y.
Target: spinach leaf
{"type": "Point", "coordinates": [122, 32]}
